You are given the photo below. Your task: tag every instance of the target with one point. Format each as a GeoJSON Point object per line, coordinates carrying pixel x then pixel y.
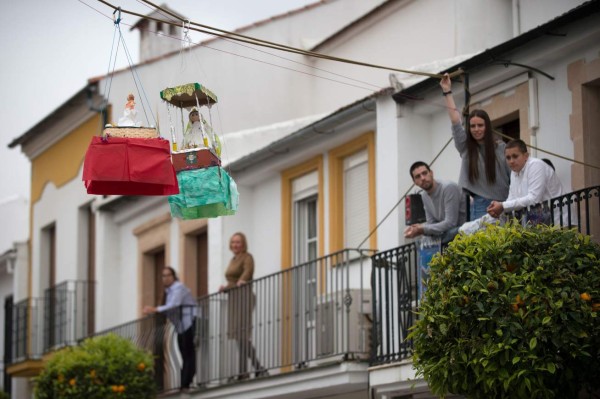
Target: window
{"type": "Point", "coordinates": [302, 212]}
{"type": "Point", "coordinates": [305, 219]}
{"type": "Point", "coordinates": [352, 194]}
{"type": "Point", "coordinates": [48, 256]}
{"type": "Point", "coordinates": [356, 199]}
{"type": "Point", "coordinates": [301, 239]}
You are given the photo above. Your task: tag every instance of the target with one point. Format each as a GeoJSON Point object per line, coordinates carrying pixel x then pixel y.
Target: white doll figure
{"type": "Point", "coordinates": [129, 118]}
{"type": "Point", "coordinates": [194, 136]}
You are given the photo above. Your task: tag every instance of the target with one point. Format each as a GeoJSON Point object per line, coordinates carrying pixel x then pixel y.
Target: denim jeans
{"type": "Point", "coordinates": [478, 206]}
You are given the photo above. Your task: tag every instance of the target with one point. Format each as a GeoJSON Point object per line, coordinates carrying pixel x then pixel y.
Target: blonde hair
{"type": "Point", "coordinates": [243, 238]}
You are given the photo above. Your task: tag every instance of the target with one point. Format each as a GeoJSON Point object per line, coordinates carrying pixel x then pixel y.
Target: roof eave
{"type": "Point", "coordinates": [77, 97]}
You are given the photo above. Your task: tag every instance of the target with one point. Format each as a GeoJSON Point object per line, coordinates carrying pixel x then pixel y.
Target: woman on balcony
{"type": "Point", "coordinates": [484, 175]}
{"type": "Point", "coordinates": [241, 303]}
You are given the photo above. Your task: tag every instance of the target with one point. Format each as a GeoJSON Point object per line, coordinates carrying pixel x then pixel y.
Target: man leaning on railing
{"type": "Point", "coordinates": [180, 308]}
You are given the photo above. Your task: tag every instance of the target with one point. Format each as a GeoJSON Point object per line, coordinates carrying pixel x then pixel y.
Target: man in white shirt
{"type": "Point", "coordinates": [532, 181]}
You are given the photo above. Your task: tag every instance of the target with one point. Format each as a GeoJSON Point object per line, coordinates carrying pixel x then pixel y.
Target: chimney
{"type": "Point", "coordinates": [157, 38]}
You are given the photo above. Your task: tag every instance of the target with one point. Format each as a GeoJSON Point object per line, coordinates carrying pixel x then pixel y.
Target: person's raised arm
{"type": "Point", "coordinates": [453, 113]}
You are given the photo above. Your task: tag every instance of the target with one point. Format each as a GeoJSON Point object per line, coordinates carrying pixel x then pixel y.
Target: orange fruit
{"type": "Point", "coordinates": [586, 297]}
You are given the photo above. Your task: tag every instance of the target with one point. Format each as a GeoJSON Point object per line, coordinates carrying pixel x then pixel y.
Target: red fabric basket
{"type": "Point", "coordinates": [129, 166]}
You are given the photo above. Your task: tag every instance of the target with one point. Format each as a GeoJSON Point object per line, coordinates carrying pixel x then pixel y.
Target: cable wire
{"type": "Point", "coordinates": [260, 42]}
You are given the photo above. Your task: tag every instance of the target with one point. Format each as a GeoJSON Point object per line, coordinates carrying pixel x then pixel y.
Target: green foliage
{"type": "Point", "coordinates": [102, 367]}
{"type": "Point", "coordinates": [4, 395]}
{"type": "Point", "coordinates": [512, 312]}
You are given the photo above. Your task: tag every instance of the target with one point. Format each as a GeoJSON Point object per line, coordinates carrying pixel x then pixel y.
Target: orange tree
{"type": "Point", "coordinates": [512, 312]}
{"type": "Point", "coordinates": [102, 367]}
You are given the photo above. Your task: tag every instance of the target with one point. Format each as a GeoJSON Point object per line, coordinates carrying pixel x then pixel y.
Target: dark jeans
{"type": "Point", "coordinates": [478, 206]}
{"type": "Point", "coordinates": [185, 341]}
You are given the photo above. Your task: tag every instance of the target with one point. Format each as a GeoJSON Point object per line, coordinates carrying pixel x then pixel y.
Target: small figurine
{"type": "Point", "coordinates": [194, 135]}
{"type": "Point", "coordinates": [129, 114]}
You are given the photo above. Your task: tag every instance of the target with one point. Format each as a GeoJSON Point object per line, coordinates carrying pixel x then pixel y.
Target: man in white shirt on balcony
{"type": "Point", "coordinates": [444, 203]}
{"type": "Point", "coordinates": [532, 182]}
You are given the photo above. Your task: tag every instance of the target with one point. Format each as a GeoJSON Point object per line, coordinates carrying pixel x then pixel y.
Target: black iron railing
{"type": "Point", "coordinates": [66, 314]}
{"type": "Point", "coordinates": [314, 313]}
{"type": "Point", "coordinates": [26, 330]}
{"type": "Point", "coordinates": [394, 272]}
{"type": "Point", "coordinates": [580, 209]}
{"type": "Point", "coordinates": [59, 319]}
{"type": "Point", "coordinates": [395, 299]}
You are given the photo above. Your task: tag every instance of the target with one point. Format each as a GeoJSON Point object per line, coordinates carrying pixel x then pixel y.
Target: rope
{"type": "Point", "coordinates": [108, 82]}
{"type": "Point", "coordinates": [140, 88]}
{"type": "Point", "coordinates": [403, 196]}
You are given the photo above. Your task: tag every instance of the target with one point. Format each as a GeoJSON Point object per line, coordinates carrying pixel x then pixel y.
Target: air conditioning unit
{"type": "Point", "coordinates": [343, 324]}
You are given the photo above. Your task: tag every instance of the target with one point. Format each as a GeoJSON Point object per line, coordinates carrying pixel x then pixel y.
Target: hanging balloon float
{"type": "Point", "coordinates": [206, 190]}
{"type": "Point", "coordinates": [128, 159]}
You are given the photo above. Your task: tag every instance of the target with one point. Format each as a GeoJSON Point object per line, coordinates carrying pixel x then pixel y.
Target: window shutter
{"type": "Point", "coordinates": [356, 199]}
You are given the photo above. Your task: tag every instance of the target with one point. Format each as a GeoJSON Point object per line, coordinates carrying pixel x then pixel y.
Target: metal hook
{"type": "Point", "coordinates": [117, 20]}
{"type": "Point", "coordinates": [186, 41]}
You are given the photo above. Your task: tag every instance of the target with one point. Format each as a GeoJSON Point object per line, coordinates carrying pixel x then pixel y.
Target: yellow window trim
{"type": "Point", "coordinates": [336, 189]}
{"type": "Point", "coordinates": [287, 176]}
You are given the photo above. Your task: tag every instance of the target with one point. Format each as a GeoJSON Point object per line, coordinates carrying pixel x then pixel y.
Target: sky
{"type": "Point", "coordinates": [50, 48]}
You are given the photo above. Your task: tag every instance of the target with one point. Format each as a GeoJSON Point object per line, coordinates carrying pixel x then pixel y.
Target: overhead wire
{"type": "Point", "coordinates": [160, 11]}
{"type": "Point", "coordinates": [265, 43]}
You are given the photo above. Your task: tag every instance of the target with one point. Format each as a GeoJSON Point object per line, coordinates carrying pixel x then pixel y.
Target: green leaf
{"type": "Point", "coordinates": [532, 343]}
{"type": "Point", "coordinates": [546, 320]}
{"type": "Point", "coordinates": [516, 360]}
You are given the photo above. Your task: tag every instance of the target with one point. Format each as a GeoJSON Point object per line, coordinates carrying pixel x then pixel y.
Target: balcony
{"type": "Point", "coordinates": [395, 299]}
{"type": "Point", "coordinates": [40, 325]}
{"type": "Point", "coordinates": [303, 329]}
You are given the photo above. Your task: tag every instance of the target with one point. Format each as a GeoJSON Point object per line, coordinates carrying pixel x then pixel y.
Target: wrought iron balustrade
{"type": "Point", "coordinates": [66, 313]}
{"type": "Point", "coordinates": [394, 272]}
{"type": "Point", "coordinates": [308, 315]}
{"type": "Point", "coordinates": [26, 327]}
{"type": "Point", "coordinates": [395, 299]}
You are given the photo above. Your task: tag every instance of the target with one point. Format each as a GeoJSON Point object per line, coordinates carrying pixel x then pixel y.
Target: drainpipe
{"type": "Point", "coordinates": [534, 122]}
{"type": "Point", "coordinates": [516, 16]}
{"type": "Point", "coordinates": [467, 100]}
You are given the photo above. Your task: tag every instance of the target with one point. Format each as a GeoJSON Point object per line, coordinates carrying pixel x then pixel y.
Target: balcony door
{"type": "Point", "coordinates": [48, 259]}
{"type": "Point", "coordinates": [158, 265]}
{"type": "Point", "coordinates": [304, 280]}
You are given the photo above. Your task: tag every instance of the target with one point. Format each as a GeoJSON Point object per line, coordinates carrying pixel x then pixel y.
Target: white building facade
{"type": "Point", "coordinates": [318, 165]}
